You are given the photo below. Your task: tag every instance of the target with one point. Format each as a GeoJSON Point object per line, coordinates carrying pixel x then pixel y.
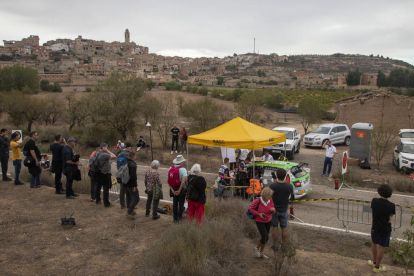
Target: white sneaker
{"type": "Point", "coordinates": [263, 256]}
{"type": "Point", "coordinates": [172, 152]}
{"type": "Point", "coordinates": [257, 252]}
{"type": "Point", "coordinates": [175, 151]}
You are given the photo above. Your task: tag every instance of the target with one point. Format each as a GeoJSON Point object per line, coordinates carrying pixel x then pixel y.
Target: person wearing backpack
{"type": "Point", "coordinates": [196, 195]}
{"type": "Point", "coordinates": [93, 179]}
{"type": "Point", "coordinates": [177, 175]}
{"type": "Point", "coordinates": [122, 158]}
{"type": "Point", "coordinates": [104, 174]}
{"type": "Point", "coordinates": [263, 208]}
{"type": "Point", "coordinates": [131, 187]}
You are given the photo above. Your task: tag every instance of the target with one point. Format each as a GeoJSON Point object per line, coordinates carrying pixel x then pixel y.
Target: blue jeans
{"type": "Point", "coordinates": [328, 162]}
{"type": "Point", "coordinates": [35, 180]}
{"type": "Point", "coordinates": [17, 167]}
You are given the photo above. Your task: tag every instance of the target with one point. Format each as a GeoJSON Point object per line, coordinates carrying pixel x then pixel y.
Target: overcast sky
{"type": "Point", "coordinates": [220, 28]}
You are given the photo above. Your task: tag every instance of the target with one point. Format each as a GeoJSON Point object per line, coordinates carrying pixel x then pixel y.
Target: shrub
{"type": "Point", "coordinates": [194, 89]}
{"type": "Point", "coordinates": [173, 86]}
{"type": "Point", "coordinates": [203, 91]}
{"type": "Point", "coordinates": [88, 89]}
{"type": "Point", "coordinates": [228, 95]}
{"type": "Point", "coordinates": [215, 93]}
{"type": "Point", "coordinates": [188, 88]}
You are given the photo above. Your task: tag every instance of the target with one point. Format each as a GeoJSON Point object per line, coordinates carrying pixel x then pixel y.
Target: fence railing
{"type": "Point", "coordinates": [359, 211]}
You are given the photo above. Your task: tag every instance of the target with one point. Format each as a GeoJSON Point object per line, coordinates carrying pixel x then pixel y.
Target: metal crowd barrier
{"type": "Point", "coordinates": [229, 191]}
{"type": "Point", "coordinates": [359, 211]}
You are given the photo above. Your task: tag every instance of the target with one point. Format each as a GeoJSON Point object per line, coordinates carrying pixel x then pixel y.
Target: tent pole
{"type": "Point", "coordinates": [254, 172]}
{"type": "Point", "coordinates": [187, 155]}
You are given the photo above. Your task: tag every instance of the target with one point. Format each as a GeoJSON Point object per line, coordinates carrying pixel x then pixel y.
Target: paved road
{"type": "Point", "coordinates": [317, 213]}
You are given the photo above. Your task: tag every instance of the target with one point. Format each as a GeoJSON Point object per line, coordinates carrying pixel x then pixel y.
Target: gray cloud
{"type": "Point", "coordinates": [219, 28]}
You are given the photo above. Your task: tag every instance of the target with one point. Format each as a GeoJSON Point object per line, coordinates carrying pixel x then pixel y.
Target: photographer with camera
{"type": "Point", "coordinates": [69, 167]}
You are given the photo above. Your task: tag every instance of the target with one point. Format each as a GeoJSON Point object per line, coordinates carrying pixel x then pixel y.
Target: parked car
{"type": "Point", "coordinates": [403, 156]}
{"type": "Point", "coordinates": [406, 135]}
{"type": "Point", "coordinates": [292, 143]}
{"type": "Point", "coordinates": [336, 133]}
{"type": "Point", "coordinates": [297, 175]}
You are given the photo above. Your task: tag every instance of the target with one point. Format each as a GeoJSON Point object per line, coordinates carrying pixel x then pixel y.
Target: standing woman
{"type": "Point", "coordinates": [152, 177]}
{"type": "Point", "coordinates": [263, 208]}
{"type": "Point", "coordinates": [196, 194]}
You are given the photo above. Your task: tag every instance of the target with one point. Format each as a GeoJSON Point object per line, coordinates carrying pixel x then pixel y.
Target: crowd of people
{"type": "Point", "coordinates": [269, 208]}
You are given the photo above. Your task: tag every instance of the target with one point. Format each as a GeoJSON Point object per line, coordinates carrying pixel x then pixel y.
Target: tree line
{"type": "Point", "coordinates": [399, 77]}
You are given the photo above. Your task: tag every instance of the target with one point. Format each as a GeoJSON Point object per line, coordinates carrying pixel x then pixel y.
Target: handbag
{"type": "Point", "coordinates": [250, 214]}
{"type": "Point", "coordinates": [156, 190]}
{"type": "Point", "coordinates": [191, 193]}
{"type": "Point", "coordinates": [29, 161]}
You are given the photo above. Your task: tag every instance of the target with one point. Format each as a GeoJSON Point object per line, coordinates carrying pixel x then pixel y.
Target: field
{"type": "Point", "coordinates": [106, 242]}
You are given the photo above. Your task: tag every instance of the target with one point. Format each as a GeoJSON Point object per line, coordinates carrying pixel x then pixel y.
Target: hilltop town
{"type": "Point", "coordinates": [82, 61]}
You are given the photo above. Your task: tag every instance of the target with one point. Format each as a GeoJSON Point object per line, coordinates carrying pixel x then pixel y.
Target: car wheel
{"type": "Point", "coordinates": [307, 146]}
{"type": "Point", "coordinates": [347, 141]}
{"type": "Point", "coordinates": [298, 149]}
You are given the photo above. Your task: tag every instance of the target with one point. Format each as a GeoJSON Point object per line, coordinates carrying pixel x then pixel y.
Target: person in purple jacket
{"type": "Point", "coordinates": [263, 208]}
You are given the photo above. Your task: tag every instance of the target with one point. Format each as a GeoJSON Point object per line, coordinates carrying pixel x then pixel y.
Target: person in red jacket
{"type": "Point", "coordinates": [263, 208]}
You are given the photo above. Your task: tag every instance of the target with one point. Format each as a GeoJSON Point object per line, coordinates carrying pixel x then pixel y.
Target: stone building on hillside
{"type": "Point", "coordinates": [376, 108]}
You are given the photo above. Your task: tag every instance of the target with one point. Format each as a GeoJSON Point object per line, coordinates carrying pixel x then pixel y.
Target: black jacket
{"type": "Point", "coordinates": [132, 166]}
{"type": "Point", "coordinates": [4, 146]}
{"type": "Point", "coordinates": [199, 183]}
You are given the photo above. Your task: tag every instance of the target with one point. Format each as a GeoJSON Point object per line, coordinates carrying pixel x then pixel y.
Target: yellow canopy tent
{"type": "Point", "coordinates": [238, 133]}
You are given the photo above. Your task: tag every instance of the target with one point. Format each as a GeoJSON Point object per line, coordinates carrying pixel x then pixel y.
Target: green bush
{"type": "Point", "coordinates": [203, 91]}
{"type": "Point", "coordinates": [215, 93]}
{"type": "Point", "coordinates": [188, 88]}
{"type": "Point", "coordinates": [228, 95]}
{"type": "Point", "coordinates": [173, 86]}
{"type": "Point", "coordinates": [194, 89]}
{"type": "Point", "coordinates": [395, 90]}
{"type": "Point", "coordinates": [245, 81]}
{"type": "Point", "coordinates": [331, 116]}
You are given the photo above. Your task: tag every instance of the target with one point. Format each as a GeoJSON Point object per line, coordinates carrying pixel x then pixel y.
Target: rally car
{"type": "Point", "coordinates": [297, 175]}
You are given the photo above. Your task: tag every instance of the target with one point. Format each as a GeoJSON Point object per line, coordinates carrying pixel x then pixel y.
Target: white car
{"type": "Point", "coordinates": [336, 133]}
{"type": "Point", "coordinates": [403, 156]}
{"type": "Point", "coordinates": [406, 135]}
{"type": "Point", "coordinates": [292, 143]}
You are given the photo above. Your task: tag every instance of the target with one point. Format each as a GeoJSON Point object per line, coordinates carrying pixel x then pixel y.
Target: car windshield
{"type": "Point", "coordinates": [298, 172]}
{"type": "Point", "coordinates": [322, 130]}
{"type": "Point", "coordinates": [289, 134]}
{"type": "Point", "coordinates": [407, 135]}
{"type": "Point", "coordinates": [408, 148]}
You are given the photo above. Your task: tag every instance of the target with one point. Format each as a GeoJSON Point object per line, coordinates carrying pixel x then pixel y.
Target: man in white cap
{"type": "Point", "coordinates": [120, 145]}
{"type": "Point", "coordinates": [177, 176]}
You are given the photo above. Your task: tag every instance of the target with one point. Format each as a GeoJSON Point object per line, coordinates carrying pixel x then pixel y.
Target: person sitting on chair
{"type": "Point", "coordinates": [140, 143]}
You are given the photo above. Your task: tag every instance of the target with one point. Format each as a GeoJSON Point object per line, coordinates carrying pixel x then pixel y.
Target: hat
{"type": "Point", "coordinates": [98, 145]}
{"type": "Point", "coordinates": [127, 145]}
{"type": "Point", "coordinates": [180, 159]}
{"type": "Point", "coordinates": [71, 140]}
{"type": "Point", "coordinates": [119, 141]}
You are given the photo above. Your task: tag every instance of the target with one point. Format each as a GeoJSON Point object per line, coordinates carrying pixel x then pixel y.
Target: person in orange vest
{"type": "Point", "coordinates": [256, 183]}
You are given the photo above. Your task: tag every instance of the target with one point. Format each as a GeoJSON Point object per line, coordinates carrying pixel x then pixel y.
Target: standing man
{"type": "Point", "coordinates": [57, 162]}
{"type": "Point", "coordinates": [17, 155]}
{"type": "Point", "coordinates": [104, 176]}
{"type": "Point", "coordinates": [183, 140]}
{"type": "Point", "coordinates": [31, 148]}
{"type": "Point", "coordinates": [382, 213]}
{"type": "Point", "coordinates": [4, 153]}
{"type": "Point", "coordinates": [282, 192]}
{"type": "Point", "coordinates": [329, 157]}
{"type": "Point", "coordinates": [92, 177]}
{"type": "Point", "coordinates": [174, 132]}
{"type": "Point", "coordinates": [131, 187]}
{"type": "Point", "coordinates": [69, 167]}
{"type": "Point", "coordinates": [122, 159]}
{"type": "Point", "coordinates": [267, 156]}
{"type": "Point", "coordinates": [178, 192]}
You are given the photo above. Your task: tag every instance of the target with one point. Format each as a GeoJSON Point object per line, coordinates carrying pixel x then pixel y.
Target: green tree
{"type": "Point", "coordinates": [353, 78]}
{"type": "Point", "coordinates": [45, 85]}
{"type": "Point", "coordinates": [203, 91]}
{"type": "Point", "coordinates": [4, 57]}
{"type": "Point", "coordinates": [150, 84]}
{"type": "Point", "coordinates": [249, 106]}
{"type": "Point", "coordinates": [57, 59]}
{"type": "Point", "coordinates": [173, 86]}
{"type": "Point", "coordinates": [274, 100]}
{"type": "Point", "coordinates": [33, 57]}
{"type": "Point", "coordinates": [17, 77]}
{"type": "Point", "coordinates": [52, 109]}
{"type": "Point", "coordinates": [56, 87]}
{"type": "Point", "coordinates": [116, 104]}
{"type": "Point", "coordinates": [220, 80]}
{"type": "Point", "coordinates": [310, 111]}
{"type": "Point", "coordinates": [154, 70]}
{"type": "Point", "coordinates": [382, 79]}
{"type": "Point", "coordinates": [402, 252]}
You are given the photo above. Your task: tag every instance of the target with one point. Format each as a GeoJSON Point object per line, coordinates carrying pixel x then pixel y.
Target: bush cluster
{"type": "Point", "coordinates": [173, 86]}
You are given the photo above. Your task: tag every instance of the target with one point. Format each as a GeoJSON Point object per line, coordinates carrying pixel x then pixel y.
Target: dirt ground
{"type": "Point", "coordinates": [105, 242]}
